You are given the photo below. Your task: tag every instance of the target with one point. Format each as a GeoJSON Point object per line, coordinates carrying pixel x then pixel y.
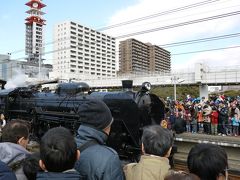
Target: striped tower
{"type": "Point", "coordinates": [34, 31]}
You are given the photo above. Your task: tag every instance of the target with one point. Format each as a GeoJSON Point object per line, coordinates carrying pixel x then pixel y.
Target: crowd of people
{"type": "Point", "coordinates": [87, 157]}
{"type": "Point", "coordinates": [219, 115]}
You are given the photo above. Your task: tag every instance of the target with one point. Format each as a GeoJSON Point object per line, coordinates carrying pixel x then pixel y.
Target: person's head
{"type": "Point", "coordinates": [179, 114]}
{"type": "Point", "coordinates": [210, 159]}
{"type": "Point", "coordinates": [95, 114]}
{"type": "Point", "coordinates": [214, 108]}
{"type": "Point", "coordinates": [181, 175]}
{"type": "Point", "coordinates": [58, 150]}
{"type": "Point", "coordinates": [31, 166]}
{"type": "Point", "coordinates": [164, 123]}
{"type": "Point", "coordinates": [16, 131]}
{"type": "Point", "coordinates": [221, 104]}
{"type": "Point", "coordinates": [234, 106]}
{"type": "Point", "coordinates": [235, 115]}
{"type": "Point", "coordinates": [157, 141]}
{"type": "Point", "coordinates": [2, 117]}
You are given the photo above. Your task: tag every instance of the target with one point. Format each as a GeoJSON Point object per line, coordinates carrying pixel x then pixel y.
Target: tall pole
{"type": "Point", "coordinates": [174, 81]}
{"type": "Point", "coordinates": [175, 89]}
{"type": "Point", "coordinates": [39, 67]}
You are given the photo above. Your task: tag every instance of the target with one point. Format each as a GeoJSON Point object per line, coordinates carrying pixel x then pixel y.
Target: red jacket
{"type": "Point", "coordinates": [214, 117]}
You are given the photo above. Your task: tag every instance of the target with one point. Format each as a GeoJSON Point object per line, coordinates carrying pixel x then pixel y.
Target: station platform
{"type": "Point", "coordinates": [230, 141]}
{"type": "Point", "coordinates": [231, 144]}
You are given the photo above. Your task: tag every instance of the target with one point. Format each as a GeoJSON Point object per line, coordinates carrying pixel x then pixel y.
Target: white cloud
{"type": "Point", "coordinates": [148, 7]}
{"type": "Point", "coordinates": [194, 31]}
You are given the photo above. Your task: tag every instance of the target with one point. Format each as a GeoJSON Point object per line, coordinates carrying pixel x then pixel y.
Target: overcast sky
{"type": "Point", "coordinates": [174, 21]}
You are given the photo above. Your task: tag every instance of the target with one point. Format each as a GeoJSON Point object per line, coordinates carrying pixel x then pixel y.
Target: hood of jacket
{"type": "Point", "coordinates": [11, 153]}
{"type": "Point", "coordinates": [86, 134]}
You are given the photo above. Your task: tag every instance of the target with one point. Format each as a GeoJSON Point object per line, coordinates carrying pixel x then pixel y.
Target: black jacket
{"type": "Point", "coordinates": [97, 161]}
{"type": "Point", "coordinates": [223, 115]}
{"type": "Point", "coordinates": [179, 125]}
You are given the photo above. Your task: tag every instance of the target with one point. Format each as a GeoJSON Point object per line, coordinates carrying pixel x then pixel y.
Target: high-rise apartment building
{"type": "Point", "coordinates": [81, 52]}
{"type": "Point", "coordinates": [34, 31]}
{"type": "Point", "coordinates": [160, 59]}
{"type": "Point", "coordinates": [136, 56]}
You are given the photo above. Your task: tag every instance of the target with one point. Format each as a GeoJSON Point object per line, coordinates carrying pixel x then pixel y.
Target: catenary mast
{"type": "Point", "coordinates": [34, 31]}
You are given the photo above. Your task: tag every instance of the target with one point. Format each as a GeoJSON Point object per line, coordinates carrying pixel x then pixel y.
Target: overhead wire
{"type": "Point", "coordinates": [206, 50]}
{"type": "Point", "coordinates": [179, 24]}
{"type": "Point", "coordinates": [158, 14]}
{"type": "Point", "coordinates": [147, 17]}
{"type": "Point", "coordinates": [173, 26]}
{"type": "Point", "coordinates": [193, 41]}
{"type": "Point", "coordinates": [185, 16]}
{"type": "Point", "coordinates": [173, 44]}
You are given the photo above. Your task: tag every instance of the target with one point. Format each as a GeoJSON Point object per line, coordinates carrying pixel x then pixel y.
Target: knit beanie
{"type": "Point", "coordinates": [95, 113]}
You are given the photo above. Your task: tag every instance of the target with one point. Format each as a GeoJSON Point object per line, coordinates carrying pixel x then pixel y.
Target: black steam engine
{"type": "Point", "coordinates": [45, 109]}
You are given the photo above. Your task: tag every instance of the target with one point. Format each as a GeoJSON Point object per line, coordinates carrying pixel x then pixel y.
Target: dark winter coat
{"type": "Point", "coordinates": [13, 155]}
{"type": "Point", "coordinates": [71, 174]}
{"type": "Point", "coordinates": [6, 173]}
{"type": "Point", "coordinates": [223, 115]}
{"type": "Point", "coordinates": [97, 161]}
{"type": "Point", "coordinates": [179, 125]}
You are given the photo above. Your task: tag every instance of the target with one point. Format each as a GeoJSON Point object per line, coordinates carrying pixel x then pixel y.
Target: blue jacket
{"type": "Point", "coordinates": [97, 161]}
{"type": "Point", "coordinates": [6, 173]}
{"type": "Point", "coordinates": [71, 174]}
{"type": "Point", "coordinates": [235, 122]}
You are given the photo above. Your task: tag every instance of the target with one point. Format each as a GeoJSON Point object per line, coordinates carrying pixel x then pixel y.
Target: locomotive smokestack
{"type": "Point", "coordinates": [127, 85]}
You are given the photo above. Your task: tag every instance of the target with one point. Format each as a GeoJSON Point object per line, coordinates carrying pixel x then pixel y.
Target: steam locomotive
{"type": "Point", "coordinates": [45, 109]}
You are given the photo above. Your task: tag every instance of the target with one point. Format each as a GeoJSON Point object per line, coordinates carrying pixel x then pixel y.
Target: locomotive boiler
{"type": "Point", "coordinates": [45, 109]}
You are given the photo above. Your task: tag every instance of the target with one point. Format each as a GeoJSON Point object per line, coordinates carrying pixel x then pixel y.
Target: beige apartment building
{"type": "Point", "coordinates": [137, 57]}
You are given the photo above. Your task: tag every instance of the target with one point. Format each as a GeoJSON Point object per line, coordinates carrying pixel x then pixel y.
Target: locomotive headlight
{"type": "Point", "coordinates": [147, 86]}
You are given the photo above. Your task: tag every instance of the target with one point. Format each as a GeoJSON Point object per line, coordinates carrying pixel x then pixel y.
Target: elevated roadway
{"type": "Point", "coordinates": [200, 75]}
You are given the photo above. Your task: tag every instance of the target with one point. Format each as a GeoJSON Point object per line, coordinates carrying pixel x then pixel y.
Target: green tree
{"type": "Point", "coordinates": [182, 91]}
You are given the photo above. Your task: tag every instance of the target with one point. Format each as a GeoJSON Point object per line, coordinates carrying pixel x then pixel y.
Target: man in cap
{"type": "Point", "coordinates": [97, 161]}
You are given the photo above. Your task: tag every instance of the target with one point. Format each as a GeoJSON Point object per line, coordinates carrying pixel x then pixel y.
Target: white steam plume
{"type": "Point", "coordinates": [19, 79]}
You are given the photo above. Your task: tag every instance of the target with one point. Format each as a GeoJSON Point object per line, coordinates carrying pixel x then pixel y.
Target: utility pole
{"type": "Point", "coordinates": [176, 80]}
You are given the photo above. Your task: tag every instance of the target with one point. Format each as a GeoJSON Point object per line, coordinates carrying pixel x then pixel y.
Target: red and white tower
{"type": "Point", "coordinates": [34, 31]}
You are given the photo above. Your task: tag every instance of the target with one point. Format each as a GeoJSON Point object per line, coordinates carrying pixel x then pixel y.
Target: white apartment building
{"type": "Point", "coordinates": [81, 53]}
